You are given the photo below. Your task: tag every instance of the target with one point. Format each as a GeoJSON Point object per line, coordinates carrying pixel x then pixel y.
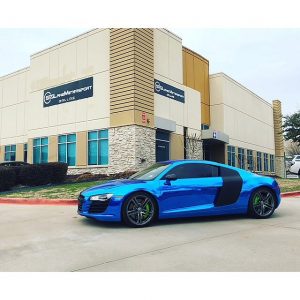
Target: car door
{"type": "Point", "coordinates": [194, 190]}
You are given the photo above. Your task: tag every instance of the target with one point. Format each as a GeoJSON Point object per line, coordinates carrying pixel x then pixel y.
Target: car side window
{"type": "Point", "coordinates": [193, 170]}
{"type": "Point", "coordinates": [226, 172]}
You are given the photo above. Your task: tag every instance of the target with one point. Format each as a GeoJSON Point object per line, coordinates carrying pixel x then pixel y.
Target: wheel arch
{"type": "Point", "coordinates": [264, 186]}
{"type": "Point", "coordinates": [144, 192]}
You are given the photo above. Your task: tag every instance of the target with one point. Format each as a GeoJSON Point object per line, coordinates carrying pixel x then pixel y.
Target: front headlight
{"type": "Point", "coordinates": [103, 197]}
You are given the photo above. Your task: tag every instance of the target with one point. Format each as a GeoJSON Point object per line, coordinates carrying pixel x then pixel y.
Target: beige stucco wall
{"type": "Point", "coordinates": [22, 115]}
{"type": "Point", "coordinates": [176, 146]}
{"type": "Point", "coordinates": [78, 58]}
{"type": "Point", "coordinates": [168, 67]}
{"type": "Point", "coordinates": [13, 100]}
{"type": "Point", "coordinates": [184, 114]}
{"type": "Point", "coordinates": [245, 117]}
{"type": "Point", "coordinates": [168, 55]}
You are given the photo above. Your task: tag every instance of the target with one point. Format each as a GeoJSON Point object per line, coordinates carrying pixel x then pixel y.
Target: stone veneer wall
{"type": "Point", "coordinates": [278, 137]}
{"type": "Point", "coordinates": [131, 147]}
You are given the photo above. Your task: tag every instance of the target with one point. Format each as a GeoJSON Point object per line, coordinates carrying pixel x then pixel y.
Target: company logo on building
{"type": "Point", "coordinates": [47, 98]}
{"type": "Point", "coordinates": [72, 91]}
{"type": "Point", "coordinates": [158, 87]}
{"type": "Point", "coordinates": [169, 91]}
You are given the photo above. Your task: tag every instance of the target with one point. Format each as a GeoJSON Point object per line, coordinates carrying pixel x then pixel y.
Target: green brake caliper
{"type": "Point", "coordinates": [147, 208]}
{"type": "Point", "coordinates": [256, 200]}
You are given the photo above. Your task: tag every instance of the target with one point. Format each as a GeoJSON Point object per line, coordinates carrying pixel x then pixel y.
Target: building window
{"type": "Point", "coordinates": [67, 149]}
{"type": "Point", "coordinates": [250, 160]}
{"type": "Point", "coordinates": [266, 162]}
{"type": "Point", "coordinates": [272, 163]}
{"type": "Point", "coordinates": [258, 162]}
{"type": "Point", "coordinates": [10, 153]}
{"type": "Point", "coordinates": [241, 158]}
{"type": "Point", "coordinates": [231, 155]}
{"type": "Point", "coordinates": [98, 147]}
{"type": "Point", "coordinates": [25, 152]}
{"type": "Point", "coordinates": [40, 150]}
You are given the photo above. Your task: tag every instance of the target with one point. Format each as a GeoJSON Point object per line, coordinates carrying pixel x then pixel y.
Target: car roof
{"type": "Point", "coordinates": [194, 161]}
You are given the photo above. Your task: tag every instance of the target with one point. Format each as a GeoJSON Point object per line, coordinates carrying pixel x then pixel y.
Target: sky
{"type": "Point", "coordinates": [266, 61]}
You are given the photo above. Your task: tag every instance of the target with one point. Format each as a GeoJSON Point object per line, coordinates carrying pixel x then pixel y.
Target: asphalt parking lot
{"type": "Point", "coordinates": [55, 238]}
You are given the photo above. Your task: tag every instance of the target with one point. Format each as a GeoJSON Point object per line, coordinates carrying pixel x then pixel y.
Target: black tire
{"type": "Point", "coordinates": [139, 210]}
{"type": "Point", "coordinates": [262, 203]}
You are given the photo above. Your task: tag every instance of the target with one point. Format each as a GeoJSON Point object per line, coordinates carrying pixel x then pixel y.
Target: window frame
{"type": "Point", "coordinates": [10, 152]}
{"type": "Point", "coordinates": [98, 148]}
{"type": "Point", "coordinates": [67, 148]}
{"type": "Point", "coordinates": [241, 158]}
{"type": "Point", "coordinates": [230, 155]}
{"type": "Point", "coordinates": [258, 156]}
{"type": "Point", "coordinates": [41, 146]}
{"type": "Point", "coordinates": [266, 159]}
{"type": "Point", "coordinates": [272, 163]}
{"type": "Point", "coordinates": [25, 150]}
{"type": "Point", "coordinates": [252, 160]}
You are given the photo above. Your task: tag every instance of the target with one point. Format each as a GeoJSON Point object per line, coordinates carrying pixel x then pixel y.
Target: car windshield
{"type": "Point", "coordinates": [151, 172]}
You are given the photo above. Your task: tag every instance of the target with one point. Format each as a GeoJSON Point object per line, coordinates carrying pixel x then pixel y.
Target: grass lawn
{"type": "Point", "coordinates": [289, 185]}
{"type": "Point", "coordinates": [61, 191]}
{"type": "Point", "coordinates": [71, 190]}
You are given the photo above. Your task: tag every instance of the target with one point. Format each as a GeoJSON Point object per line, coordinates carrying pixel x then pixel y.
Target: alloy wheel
{"type": "Point", "coordinates": [140, 210]}
{"type": "Point", "coordinates": [263, 203]}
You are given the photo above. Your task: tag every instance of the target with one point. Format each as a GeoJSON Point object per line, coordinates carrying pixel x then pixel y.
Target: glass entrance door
{"type": "Point", "coordinates": [162, 145]}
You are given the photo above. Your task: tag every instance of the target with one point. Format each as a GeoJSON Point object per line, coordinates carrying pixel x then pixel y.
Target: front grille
{"type": "Point", "coordinates": [80, 203]}
{"type": "Point", "coordinates": [98, 207]}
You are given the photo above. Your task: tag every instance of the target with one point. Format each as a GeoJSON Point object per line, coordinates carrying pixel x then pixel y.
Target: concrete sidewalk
{"type": "Point", "coordinates": [54, 238]}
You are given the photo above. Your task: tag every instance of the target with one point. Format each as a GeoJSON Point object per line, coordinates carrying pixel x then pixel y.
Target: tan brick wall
{"type": "Point", "coordinates": [177, 146]}
{"type": "Point", "coordinates": [20, 152]}
{"type": "Point", "coordinates": [81, 149]}
{"type": "Point", "coordinates": [30, 151]}
{"type": "Point", "coordinates": [53, 148]}
{"type": "Point", "coordinates": [2, 152]}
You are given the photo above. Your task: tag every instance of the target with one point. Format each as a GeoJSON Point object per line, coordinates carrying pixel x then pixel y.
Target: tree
{"type": "Point", "coordinates": [292, 148]}
{"type": "Point", "coordinates": [291, 127]}
{"type": "Point", "coordinates": [193, 146]}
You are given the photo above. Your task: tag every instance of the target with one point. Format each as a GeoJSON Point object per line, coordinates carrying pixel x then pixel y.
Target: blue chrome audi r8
{"type": "Point", "coordinates": [186, 188]}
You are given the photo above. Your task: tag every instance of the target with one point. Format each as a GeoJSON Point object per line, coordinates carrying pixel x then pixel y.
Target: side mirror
{"type": "Point", "coordinates": [171, 177]}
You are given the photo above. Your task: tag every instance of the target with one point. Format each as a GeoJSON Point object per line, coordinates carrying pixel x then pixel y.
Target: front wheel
{"type": "Point", "coordinates": [139, 210]}
{"type": "Point", "coordinates": [262, 204]}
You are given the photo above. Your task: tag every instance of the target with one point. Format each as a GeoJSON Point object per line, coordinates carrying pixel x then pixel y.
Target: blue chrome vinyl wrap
{"type": "Point", "coordinates": [180, 198]}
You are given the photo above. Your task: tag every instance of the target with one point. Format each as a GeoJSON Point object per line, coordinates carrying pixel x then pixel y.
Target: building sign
{"type": "Point", "coordinates": [169, 91]}
{"type": "Point", "coordinates": [72, 91]}
{"type": "Point", "coordinates": [144, 117]}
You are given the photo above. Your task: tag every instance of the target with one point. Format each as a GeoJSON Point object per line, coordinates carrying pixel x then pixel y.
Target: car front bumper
{"type": "Point", "coordinates": [109, 211]}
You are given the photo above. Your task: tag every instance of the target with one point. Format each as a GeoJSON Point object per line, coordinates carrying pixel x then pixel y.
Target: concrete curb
{"type": "Point", "coordinates": [290, 194]}
{"type": "Point", "coordinates": [26, 201]}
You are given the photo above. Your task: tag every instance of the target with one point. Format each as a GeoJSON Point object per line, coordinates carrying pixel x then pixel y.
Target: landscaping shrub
{"type": "Point", "coordinates": [33, 175]}
{"type": "Point", "coordinates": [59, 171]}
{"type": "Point", "coordinates": [41, 174]}
{"type": "Point", "coordinates": [7, 178]}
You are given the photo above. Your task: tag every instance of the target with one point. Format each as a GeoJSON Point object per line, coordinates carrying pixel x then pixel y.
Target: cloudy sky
{"type": "Point", "coordinates": [267, 61]}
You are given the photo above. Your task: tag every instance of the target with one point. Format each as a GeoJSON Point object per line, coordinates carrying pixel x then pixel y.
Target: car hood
{"type": "Point", "coordinates": [111, 186]}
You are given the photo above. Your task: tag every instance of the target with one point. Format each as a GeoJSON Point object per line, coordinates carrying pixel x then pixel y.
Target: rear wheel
{"type": "Point", "coordinates": [262, 203]}
{"type": "Point", "coordinates": [139, 210]}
